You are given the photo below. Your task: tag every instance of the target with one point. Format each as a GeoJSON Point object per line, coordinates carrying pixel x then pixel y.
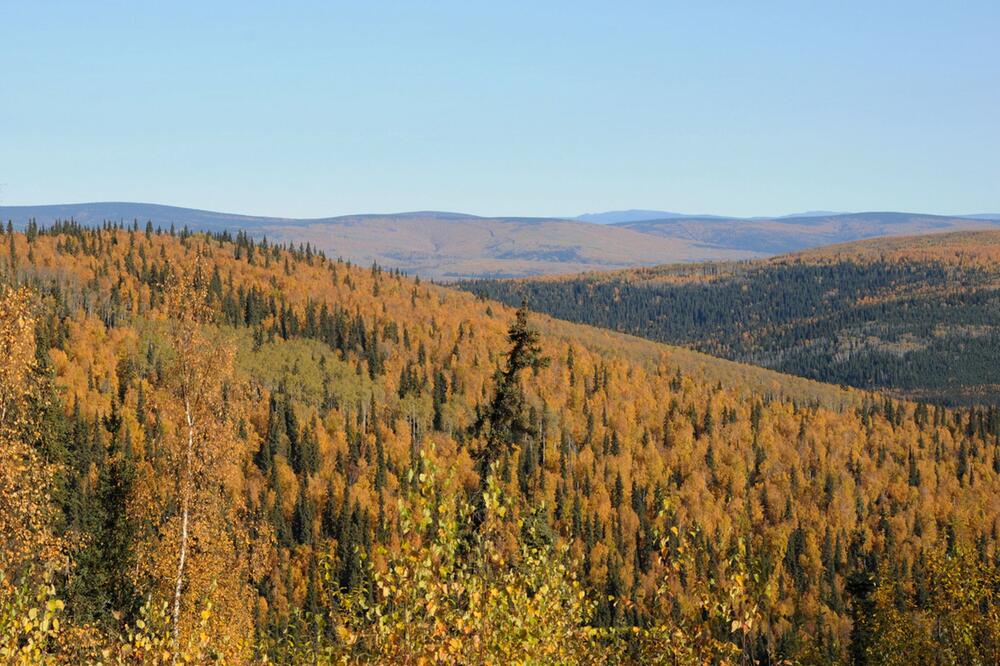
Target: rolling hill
{"type": "Point", "coordinates": [453, 247]}
{"type": "Point", "coordinates": [789, 234]}
{"type": "Point", "coordinates": [450, 246]}
{"type": "Point", "coordinates": [432, 244]}
{"type": "Point", "coordinates": [915, 316]}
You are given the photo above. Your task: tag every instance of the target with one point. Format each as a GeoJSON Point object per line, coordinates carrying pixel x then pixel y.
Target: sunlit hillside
{"type": "Point", "coordinates": [226, 450]}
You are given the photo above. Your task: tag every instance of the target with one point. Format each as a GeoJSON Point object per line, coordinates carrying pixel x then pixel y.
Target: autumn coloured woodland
{"type": "Point", "coordinates": [215, 449]}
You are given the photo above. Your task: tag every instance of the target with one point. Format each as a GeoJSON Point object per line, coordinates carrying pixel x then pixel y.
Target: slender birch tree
{"type": "Point", "coordinates": [205, 535]}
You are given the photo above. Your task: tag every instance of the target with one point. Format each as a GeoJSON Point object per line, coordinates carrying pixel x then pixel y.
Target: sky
{"type": "Point", "coordinates": [502, 108]}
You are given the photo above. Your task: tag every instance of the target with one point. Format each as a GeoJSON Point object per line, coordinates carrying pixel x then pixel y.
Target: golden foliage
{"type": "Point", "coordinates": [26, 538]}
{"type": "Point", "coordinates": [197, 554]}
{"type": "Point", "coordinates": [953, 619]}
{"type": "Point", "coordinates": [800, 471]}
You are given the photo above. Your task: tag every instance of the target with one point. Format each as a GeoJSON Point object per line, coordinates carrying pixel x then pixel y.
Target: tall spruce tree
{"type": "Point", "coordinates": [504, 423]}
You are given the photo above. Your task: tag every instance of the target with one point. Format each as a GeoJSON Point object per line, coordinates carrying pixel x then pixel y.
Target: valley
{"type": "Point", "coordinates": [915, 316]}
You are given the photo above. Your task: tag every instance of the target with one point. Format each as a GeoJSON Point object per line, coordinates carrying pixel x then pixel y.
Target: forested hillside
{"type": "Point", "coordinates": [919, 317]}
{"type": "Point", "coordinates": [221, 450]}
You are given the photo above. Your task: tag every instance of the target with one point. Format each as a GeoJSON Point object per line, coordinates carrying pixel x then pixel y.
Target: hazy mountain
{"type": "Point", "coordinates": [195, 218]}
{"type": "Point", "coordinates": [429, 243]}
{"type": "Point", "coordinates": [789, 234]}
{"type": "Point", "coordinates": [160, 215]}
{"type": "Point", "coordinates": [456, 247]}
{"type": "Point", "coordinates": [448, 245]}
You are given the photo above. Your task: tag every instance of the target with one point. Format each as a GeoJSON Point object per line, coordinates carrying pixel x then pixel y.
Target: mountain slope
{"type": "Point", "coordinates": [490, 247]}
{"type": "Point", "coordinates": [919, 316]}
{"type": "Point", "coordinates": [339, 421]}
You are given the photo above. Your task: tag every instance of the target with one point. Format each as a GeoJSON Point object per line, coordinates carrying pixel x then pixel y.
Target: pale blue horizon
{"type": "Point", "coordinates": [320, 109]}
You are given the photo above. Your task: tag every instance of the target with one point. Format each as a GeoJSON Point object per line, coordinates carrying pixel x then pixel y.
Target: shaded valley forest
{"type": "Point", "coordinates": [918, 318]}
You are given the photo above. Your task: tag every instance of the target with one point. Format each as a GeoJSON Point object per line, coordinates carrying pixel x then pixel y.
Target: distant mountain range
{"type": "Point", "coordinates": [447, 246]}
{"type": "Point", "coordinates": [790, 234]}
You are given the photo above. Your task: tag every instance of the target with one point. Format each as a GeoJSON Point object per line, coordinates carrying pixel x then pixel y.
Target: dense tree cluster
{"type": "Point", "coordinates": [246, 451]}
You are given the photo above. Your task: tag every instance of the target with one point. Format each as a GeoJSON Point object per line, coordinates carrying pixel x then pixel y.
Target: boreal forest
{"type": "Point", "coordinates": [216, 449]}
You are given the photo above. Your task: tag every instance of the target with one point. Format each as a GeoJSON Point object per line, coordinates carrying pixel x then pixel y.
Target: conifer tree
{"type": "Point", "coordinates": [504, 422]}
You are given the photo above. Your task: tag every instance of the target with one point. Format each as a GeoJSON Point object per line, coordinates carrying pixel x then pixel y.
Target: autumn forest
{"type": "Point", "coordinates": [218, 449]}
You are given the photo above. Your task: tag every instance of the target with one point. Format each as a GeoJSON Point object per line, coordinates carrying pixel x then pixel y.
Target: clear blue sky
{"type": "Point", "coordinates": [546, 108]}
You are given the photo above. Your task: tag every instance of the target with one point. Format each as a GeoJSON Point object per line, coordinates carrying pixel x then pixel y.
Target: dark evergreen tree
{"type": "Point", "coordinates": [504, 423]}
